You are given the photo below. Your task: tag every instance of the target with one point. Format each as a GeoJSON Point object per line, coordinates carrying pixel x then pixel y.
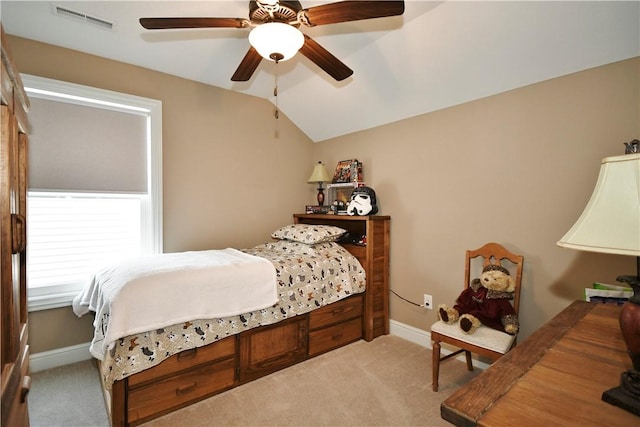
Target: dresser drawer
{"type": "Point", "coordinates": [268, 349]}
{"type": "Point", "coordinates": [337, 312]}
{"type": "Point", "coordinates": [334, 336]}
{"type": "Point", "coordinates": [177, 391]}
{"type": "Point", "coordinates": [186, 360]}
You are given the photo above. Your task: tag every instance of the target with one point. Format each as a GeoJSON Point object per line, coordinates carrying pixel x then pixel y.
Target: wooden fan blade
{"type": "Point", "coordinates": [324, 59]}
{"type": "Point", "coordinates": [346, 11]}
{"type": "Point", "coordinates": [171, 23]}
{"type": "Point", "coordinates": [247, 66]}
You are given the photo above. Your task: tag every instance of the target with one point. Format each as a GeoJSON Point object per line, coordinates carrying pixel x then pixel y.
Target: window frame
{"type": "Point", "coordinates": [40, 87]}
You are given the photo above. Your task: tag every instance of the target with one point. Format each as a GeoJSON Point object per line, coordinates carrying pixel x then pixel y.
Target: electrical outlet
{"type": "Point", "coordinates": [428, 302]}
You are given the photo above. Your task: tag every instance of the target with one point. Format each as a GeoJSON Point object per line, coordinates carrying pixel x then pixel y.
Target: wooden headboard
{"type": "Point", "coordinates": [374, 257]}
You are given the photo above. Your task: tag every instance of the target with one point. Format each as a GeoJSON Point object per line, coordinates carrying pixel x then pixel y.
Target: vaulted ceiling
{"type": "Point", "coordinates": [438, 54]}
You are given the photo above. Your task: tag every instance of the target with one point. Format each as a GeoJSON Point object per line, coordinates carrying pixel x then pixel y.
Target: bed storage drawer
{"type": "Point", "coordinates": [337, 312]}
{"type": "Point", "coordinates": [269, 349]}
{"type": "Point", "coordinates": [177, 391]}
{"type": "Point", "coordinates": [335, 336]}
{"type": "Point", "coordinates": [186, 360]}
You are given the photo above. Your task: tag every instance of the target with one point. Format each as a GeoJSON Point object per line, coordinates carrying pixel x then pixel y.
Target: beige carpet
{"type": "Point", "coordinates": [386, 382]}
{"type": "Point", "coordinates": [68, 396]}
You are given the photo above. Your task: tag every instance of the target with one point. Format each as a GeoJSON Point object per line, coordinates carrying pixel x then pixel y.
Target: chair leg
{"type": "Point", "coordinates": [469, 362]}
{"type": "Point", "coordinates": [435, 364]}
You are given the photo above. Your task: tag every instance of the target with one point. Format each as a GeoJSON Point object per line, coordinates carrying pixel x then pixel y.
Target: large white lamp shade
{"type": "Point", "coordinates": [610, 222]}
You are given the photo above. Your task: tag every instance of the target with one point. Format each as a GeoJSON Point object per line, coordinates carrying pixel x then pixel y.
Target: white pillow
{"type": "Point", "coordinates": [308, 233]}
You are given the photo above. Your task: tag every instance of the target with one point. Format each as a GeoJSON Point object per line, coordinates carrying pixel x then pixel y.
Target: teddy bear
{"type": "Point", "coordinates": [485, 301]}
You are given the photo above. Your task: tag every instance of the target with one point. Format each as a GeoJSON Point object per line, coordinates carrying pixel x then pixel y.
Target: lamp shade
{"type": "Point", "coordinates": [610, 222]}
{"type": "Point", "coordinates": [276, 40]}
{"type": "Point", "coordinates": [319, 174]}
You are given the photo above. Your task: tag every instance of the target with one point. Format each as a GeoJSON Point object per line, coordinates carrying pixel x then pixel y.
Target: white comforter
{"type": "Point", "coordinates": [193, 285]}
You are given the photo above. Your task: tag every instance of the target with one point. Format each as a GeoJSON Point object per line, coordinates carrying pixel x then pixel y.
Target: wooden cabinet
{"type": "Point", "coordinates": [13, 186]}
{"type": "Point", "coordinates": [374, 257]}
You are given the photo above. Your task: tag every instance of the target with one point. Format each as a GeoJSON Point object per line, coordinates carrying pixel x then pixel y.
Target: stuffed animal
{"type": "Point", "coordinates": [485, 301]}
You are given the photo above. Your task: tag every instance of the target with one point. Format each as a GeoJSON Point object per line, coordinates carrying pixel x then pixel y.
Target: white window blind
{"type": "Point", "coordinates": [71, 235]}
{"type": "Point", "coordinates": [81, 148]}
{"type": "Point", "coordinates": [95, 194]}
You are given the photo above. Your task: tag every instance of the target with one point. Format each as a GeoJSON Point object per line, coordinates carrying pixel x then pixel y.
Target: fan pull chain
{"type": "Point", "coordinates": [276, 113]}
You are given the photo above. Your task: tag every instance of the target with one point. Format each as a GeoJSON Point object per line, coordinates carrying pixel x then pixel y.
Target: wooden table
{"type": "Point", "coordinates": [555, 377]}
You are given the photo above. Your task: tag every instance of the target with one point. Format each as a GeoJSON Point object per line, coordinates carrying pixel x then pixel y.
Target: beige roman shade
{"type": "Point", "coordinates": [84, 148]}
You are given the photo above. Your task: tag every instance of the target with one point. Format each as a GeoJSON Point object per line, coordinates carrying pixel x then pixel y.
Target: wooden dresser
{"type": "Point", "coordinates": [13, 240]}
{"type": "Point", "coordinates": [555, 377]}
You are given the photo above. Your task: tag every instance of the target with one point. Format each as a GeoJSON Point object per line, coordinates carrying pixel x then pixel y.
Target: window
{"type": "Point", "coordinates": [73, 234]}
{"type": "Point", "coordinates": [94, 196]}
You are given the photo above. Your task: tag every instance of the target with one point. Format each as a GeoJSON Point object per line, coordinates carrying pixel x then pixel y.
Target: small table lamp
{"type": "Point", "coordinates": [610, 224]}
{"type": "Point", "coordinates": [319, 175]}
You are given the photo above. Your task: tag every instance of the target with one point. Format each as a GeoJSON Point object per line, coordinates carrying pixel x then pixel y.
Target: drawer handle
{"type": "Point", "coordinates": [18, 233]}
{"type": "Point", "coordinates": [337, 336]}
{"type": "Point", "coordinates": [188, 354]}
{"type": "Point", "coordinates": [186, 389]}
{"type": "Point", "coordinates": [26, 387]}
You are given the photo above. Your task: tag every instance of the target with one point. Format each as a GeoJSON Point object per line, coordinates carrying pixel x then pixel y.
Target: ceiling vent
{"type": "Point", "coordinates": [81, 16]}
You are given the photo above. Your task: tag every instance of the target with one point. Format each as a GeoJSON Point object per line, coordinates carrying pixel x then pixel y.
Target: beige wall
{"type": "Point", "coordinates": [516, 168]}
{"type": "Point", "coordinates": [231, 173]}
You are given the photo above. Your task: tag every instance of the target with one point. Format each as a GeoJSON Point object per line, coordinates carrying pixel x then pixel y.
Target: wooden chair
{"type": "Point", "coordinates": [485, 341]}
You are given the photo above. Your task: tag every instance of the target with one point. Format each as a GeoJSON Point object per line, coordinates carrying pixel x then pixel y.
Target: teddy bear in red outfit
{"type": "Point", "coordinates": [485, 301]}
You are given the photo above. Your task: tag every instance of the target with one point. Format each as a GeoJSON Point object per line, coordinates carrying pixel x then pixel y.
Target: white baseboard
{"type": "Point", "coordinates": [410, 333]}
{"type": "Point", "coordinates": [59, 357]}
{"type": "Point", "coordinates": [423, 338]}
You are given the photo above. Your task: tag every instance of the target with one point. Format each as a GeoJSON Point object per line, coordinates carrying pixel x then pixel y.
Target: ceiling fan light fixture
{"type": "Point", "coordinates": [276, 40]}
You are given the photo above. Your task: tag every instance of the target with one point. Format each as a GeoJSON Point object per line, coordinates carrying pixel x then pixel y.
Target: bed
{"type": "Point", "coordinates": [324, 299]}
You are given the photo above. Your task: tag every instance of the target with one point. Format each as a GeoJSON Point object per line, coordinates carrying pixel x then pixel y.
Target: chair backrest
{"type": "Point", "coordinates": [493, 253]}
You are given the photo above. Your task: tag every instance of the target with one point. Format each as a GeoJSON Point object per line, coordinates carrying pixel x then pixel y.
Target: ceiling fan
{"type": "Point", "coordinates": [275, 35]}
